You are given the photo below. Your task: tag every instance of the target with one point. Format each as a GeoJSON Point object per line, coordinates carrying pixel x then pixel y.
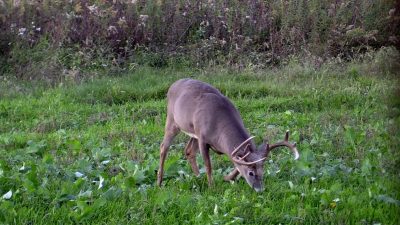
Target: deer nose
{"type": "Point", "coordinates": [258, 189]}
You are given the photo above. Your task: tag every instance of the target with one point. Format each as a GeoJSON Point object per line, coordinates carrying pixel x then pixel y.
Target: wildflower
{"type": "Point", "coordinates": [112, 30]}
{"type": "Point", "coordinates": [101, 182]}
{"type": "Point", "coordinates": [21, 31]}
{"type": "Point", "coordinates": [79, 174]}
{"type": "Point", "coordinates": [122, 21]}
{"type": "Point", "coordinates": [216, 209]}
{"type": "Point", "coordinates": [92, 8]}
{"type": "Point", "coordinates": [144, 18]}
{"type": "Point", "coordinates": [17, 3]}
{"type": "Point", "coordinates": [8, 195]}
{"type": "Point", "coordinates": [204, 23]}
{"type": "Point", "coordinates": [223, 42]}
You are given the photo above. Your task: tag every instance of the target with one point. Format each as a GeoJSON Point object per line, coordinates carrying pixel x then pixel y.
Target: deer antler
{"type": "Point", "coordinates": [243, 143]}
{"type": "Point", "coordinates": [240, 160]}
{"type": "Point", "coordinates": [287, 144]}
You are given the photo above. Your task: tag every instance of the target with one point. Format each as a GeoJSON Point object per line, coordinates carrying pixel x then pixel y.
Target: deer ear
{"type": "Point", "coordinates": [263, 149]}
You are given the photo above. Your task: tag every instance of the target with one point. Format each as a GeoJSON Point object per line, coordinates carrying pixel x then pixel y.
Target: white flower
{"type": "Point", "coordinates": [291, 184]}
{"type": "Point", "coordinates": [112, 29]}
{"type": "Point", "coordinates": [8, 195]}
{"type": "Point", "coordinates": [122, 21]}
{"type": "Point", "coordinates": [92, 8]}
{"type": "Point", "coordinates": [22, 168]}
{"type": "Point", "coordinates": [101, 182]}
{"type": "Point", "coordinates": [21, 31]}
{"type": "Point", "coordinates": [216, 209]}
{"type": "Point", "coordinates": [144, 18]}
{"type": "Point", "coordinates": [79, 174]}
{"type": "Point", "coordinates": [105, 162]}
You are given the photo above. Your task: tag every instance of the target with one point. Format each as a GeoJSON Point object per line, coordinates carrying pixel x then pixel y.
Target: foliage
{"type": "Point", "coordinates": [92, 34]}
{"type": "Point", "coordinates": [87, 153]}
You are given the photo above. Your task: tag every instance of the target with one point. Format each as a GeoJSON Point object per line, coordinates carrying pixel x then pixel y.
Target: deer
{"type": "Point", "coordinates": [212, 122]}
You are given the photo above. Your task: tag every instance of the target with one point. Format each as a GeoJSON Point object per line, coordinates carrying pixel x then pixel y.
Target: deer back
{"type": "Point", "coordinates": [199, 109]}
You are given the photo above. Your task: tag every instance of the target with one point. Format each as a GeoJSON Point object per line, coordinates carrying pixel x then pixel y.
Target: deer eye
{"type": "Point", "coordinates": [251, 173]}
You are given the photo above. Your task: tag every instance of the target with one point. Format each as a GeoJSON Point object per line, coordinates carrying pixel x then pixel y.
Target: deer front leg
{"type": "Point", "coordinates": [191, 150]}
{"type": "Point", "coordinates": [205, 152]}
{"type": "Point", "coordinates": [232, 175]}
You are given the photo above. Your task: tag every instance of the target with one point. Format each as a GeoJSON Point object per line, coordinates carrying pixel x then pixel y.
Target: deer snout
{"type": "Point", "coordinates": [258, 188]}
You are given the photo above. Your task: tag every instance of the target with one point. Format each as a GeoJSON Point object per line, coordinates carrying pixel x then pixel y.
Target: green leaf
{"type": "Point", "coordinates": [48, 159]}
{"type": "Point", "coordinates": [366, 167]}
{"type": "Point", "coordinates": [7, 212]}
{"type": "Point", "coordinates": [388, 199]}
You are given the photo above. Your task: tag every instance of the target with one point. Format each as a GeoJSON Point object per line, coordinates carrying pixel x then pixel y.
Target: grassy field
{"type": "Point", "coordinates": [89, 152]}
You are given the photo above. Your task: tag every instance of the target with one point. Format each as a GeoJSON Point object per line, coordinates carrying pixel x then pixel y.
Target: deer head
{"type": "Point", "coordinates": [250, 164]}
{"type": "Point", "coordinates": [211, 120]}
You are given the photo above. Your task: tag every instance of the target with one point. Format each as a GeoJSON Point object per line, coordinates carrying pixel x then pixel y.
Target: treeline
{"type": "Point", "coordinates": [94, 34]}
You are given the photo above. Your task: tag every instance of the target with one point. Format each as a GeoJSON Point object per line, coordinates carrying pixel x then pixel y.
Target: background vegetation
{"type": "Point", "coordinates": [52, 40]}
{"type": "Point", "coordinates": [82, 109]}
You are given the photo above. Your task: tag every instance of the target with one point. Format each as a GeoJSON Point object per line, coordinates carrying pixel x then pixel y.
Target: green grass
{"type": "Point", "coordinates": [88, 153]}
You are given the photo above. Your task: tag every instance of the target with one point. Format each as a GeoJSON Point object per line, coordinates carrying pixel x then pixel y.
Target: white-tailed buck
{"type": "Point", "coordinates": [211, 120]}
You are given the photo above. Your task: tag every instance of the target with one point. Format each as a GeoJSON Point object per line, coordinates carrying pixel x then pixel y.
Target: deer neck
{"type": "Point", "coordinates": [230, 139]}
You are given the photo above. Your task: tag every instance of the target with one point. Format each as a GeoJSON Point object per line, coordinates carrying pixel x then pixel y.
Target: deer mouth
{"type": "Point", "coordinates": [258, 188]}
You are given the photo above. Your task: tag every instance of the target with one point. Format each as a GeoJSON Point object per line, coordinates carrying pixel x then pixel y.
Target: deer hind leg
{"type": "Point", "coordinates": [171, 130]}
{"type": "Point", "coordinates": [191, 149]}
{"type": "Point", "coordinates": [232, 175]}
{"type": "Point", "coordinates": [205, 152]}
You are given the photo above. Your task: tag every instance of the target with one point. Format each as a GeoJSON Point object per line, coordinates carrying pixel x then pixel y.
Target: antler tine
{"type": "Point", "coordinates": [287, 135]}
{"type": "Point", "coordinates": [238, 161]}
{"type": "Point", "coordinates": [238, 147]}
{"type": "Point", "coordinates": [243, 157]}
{"type": "Point", "coordinates": [287, 144]}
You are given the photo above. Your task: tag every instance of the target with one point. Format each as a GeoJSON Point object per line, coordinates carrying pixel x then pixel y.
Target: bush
{"type": "Point", "coordinates": [387, 60]}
